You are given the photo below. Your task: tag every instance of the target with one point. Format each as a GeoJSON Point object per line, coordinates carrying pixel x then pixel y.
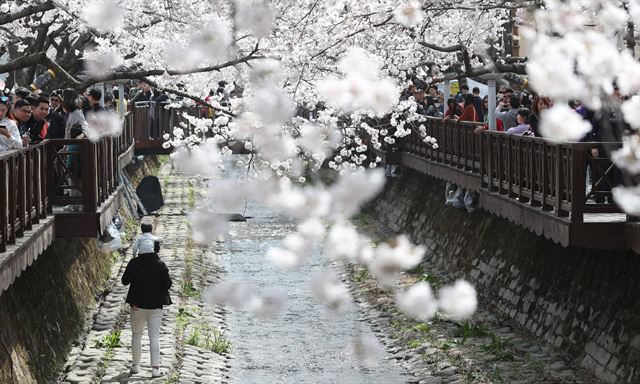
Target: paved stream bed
{"type": "Point", "coordinates": [304, 344]}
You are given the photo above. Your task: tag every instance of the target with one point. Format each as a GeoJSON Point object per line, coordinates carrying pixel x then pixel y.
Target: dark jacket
{"type": "Point", "coordinates": [56, 125]}
{"type": "Point", "coordinates": [37, 130]}
{"type": "Point", "coordinates": [534, 123]}
{"type": "Point", "coordinates": [150, 282]}
{"type": "Point", "coordinates": [477, 103]}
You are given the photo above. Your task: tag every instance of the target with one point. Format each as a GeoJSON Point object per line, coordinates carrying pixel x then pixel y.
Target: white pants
{"type": "Point", "coordinates": [153, 319]}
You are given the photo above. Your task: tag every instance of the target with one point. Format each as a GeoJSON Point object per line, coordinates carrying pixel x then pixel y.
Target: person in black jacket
{"type": "Point", "coordinates": [148, 293]}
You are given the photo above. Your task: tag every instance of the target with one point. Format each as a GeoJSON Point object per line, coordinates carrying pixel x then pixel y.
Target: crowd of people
{"type": "Point", "coordinates": [27, 117]}
{"type": "Point", "coordinates": [517, 113]}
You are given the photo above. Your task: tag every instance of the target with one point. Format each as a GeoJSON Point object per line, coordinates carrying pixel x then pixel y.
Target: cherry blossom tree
{"type": "Point", "coordinates": [320, 77]}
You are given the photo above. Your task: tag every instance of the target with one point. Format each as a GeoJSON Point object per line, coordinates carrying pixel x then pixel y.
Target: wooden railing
{"type": "Point", "coordinates": [153, 120]}
{"type": "Point", "coordinates": [23, 197]}
{"type": "Point", "coordinates": [527, 169]}
{"type": "Point", "coordinates": [58, 172]}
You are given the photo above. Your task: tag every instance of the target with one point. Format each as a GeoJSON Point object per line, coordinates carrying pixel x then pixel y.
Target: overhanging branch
{"type": "Point", "coordinates": [25, 12]}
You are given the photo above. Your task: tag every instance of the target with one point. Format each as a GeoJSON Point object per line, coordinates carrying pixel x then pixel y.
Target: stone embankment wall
{"type": "Point", "coordinates": [43, 312]}
{"type": "Point", "coordinates": [583, 302]}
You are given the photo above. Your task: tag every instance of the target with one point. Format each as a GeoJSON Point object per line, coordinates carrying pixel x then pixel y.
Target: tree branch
{"type": "Point", "coordinates": [159, 72]}
{"type": "Point", "coordinates": [23, 62]}
{"type": "Point", "coordinates": [25, 12]}
{"type": "Point", "coordinates": [452, 48]}
{"type": "Point", "coordinates": [188, 96]}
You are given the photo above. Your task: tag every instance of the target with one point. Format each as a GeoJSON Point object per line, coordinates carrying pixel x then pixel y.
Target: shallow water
{"type": "Point", "coordinates": [303, 344]}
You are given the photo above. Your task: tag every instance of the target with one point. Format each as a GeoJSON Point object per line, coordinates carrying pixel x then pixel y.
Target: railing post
{"type": "Point", "coordinates": [4, 189]}
{"type": "Point", "coordinates": [578, 188]}
{"type": "Point", "coordinates": [500, 163]}
{"type": "Point", "coordinates": [43, 170]}
{"type": "Point", "coordinates": [482, 160]}
{"type": "Point", "coordinates": [11, 238]}
{"type": "Point", "coordinates": [89, 176]}
{"type": "Point", "coordinates": [490, 161]}
{"type": "Point", "coordinates": [492, 104]}
{"type": "Point", "coordinates": [21, 197]}
{"type": "Point", "coordinates": [510, 166]}
{"type": "Point", "coordinates": [559, 178]}
{"type": "Point", "coordinates": [447, 94]}
{"type": "Point", "coordinates": [50, 182]}
{"type": "Point", "coordinates": [29, 181]}
{"type": "Point", "coordinates": [121, 98]}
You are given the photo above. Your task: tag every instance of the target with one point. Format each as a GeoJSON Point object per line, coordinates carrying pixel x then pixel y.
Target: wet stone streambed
{"type": "Point", "coordinates": [304, 343]}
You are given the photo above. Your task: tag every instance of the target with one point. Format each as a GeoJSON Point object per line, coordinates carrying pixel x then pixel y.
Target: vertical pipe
{"type": "Point", "coordinates": [121, 98]}
{"type": "Point", "coordinates": [492, 105]}
{"type": "Point", "coordinates": [447, 93]}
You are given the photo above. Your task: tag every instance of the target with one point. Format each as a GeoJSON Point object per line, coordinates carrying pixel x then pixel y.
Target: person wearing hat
{"type": "Point", "coordinates": [9, 133]}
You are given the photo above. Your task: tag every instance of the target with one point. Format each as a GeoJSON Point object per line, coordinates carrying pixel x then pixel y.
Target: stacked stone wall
{"type": "Point", "coordinates": [584, 302]}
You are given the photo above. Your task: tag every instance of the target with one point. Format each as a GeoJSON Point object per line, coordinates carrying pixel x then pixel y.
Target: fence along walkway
{"type": "Point", "coordinates": [37, 182]}
{"type": "Point", "coordinates": [535, 183]}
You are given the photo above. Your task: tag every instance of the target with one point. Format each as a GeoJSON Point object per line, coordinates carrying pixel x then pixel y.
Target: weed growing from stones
{"type": "Point", "coordinates": [413, 344]}
{"type": "Point", "coordinates": [433, 280]}
{"type": "Point", "coordinates": [203, 336]}
{"type": "Point", "coordinates": [194, 337]}
{"type": "Point", "coordinates": [501, 349]}
{"type": "Point", "coordinates": [188, 290]}
{"type": "Point", "coordinates": [104, 363]}
{"type": "Point", "coordinates": [361, 219]}
{"type": "Point", "coordinates": [534, 362]}
{"type": "Point", "coordinates": [468, 330]}
{"type": "Point", "coordinates": [183, 318]}
{"type": "Point", "coordinates": [130, 228]}
{"type": "Point", "coordinates": [110, 341]}
{"type": "Point", "coordinates": [191, 197]}
{"type": "Point", "coordinates": [496, 375]}
{"type": "Point", "coordinates": [220, 344]}
{"type": "Point", "coordinates": [422, 328]}
{"type": "Point", "coordinates": [362, 275]}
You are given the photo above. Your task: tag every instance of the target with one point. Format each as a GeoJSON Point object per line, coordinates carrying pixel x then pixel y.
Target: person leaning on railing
{"type": "Point", "coordinates": [522, 128]}
{"type": "Point", "coordinates": [540, 103]}
{"type": "Point", "coordinates": [21, 114]}
{"type": "Point", "coordinates": [453, 110]}
{"type": "Point", "coordinates": [75, 129]}
{"type": "Point", "coordinates": [469, 110]}
{"type": "Point", "coordinates": [9, 133]}
{"type": "Point", "coordinates": [508, 112]}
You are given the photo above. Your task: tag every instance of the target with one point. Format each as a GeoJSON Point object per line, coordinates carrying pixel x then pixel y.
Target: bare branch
{"type": "Point", "coordinates": [188, 96]}
{"type": "Point", "coordinates": [172, 72]}
{"type": "Point", "coordinates": [23, 62]}
{"type": "Point", "coordinates": [25, 12]}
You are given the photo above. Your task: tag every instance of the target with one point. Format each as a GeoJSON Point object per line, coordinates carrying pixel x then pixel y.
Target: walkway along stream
{"type": "Point", "coordinates": [204, 344]}
{"type": "Point", "coordinates": [210, 344]}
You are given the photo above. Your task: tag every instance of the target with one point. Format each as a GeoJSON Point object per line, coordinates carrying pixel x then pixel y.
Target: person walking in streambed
{"type": "Point", "coordinates": [149, 292]}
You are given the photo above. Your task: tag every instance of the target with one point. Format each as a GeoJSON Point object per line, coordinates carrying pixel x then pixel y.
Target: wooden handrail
{"type": "Point", "coordinates": [22, 203]}
{"type": "Point", "coordinates": [32, 178]}
{"type": "Point", "coordinates": [530, 170]}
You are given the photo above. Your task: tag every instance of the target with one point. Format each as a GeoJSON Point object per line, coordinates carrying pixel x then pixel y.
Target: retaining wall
{"type": "Point", "coordinates": [583, 302]}
{"type": "Point", "coordinates": [43, 312]}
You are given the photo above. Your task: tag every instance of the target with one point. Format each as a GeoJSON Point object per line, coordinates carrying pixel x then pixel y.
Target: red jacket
{"type": "Point", "coordinates": [469, 113]}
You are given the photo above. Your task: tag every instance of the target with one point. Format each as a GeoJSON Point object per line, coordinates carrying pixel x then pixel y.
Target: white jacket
{"type": "Point", "coordinates": [15, 142]}
{"type": "Point", "coordinates": [144, 243]}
